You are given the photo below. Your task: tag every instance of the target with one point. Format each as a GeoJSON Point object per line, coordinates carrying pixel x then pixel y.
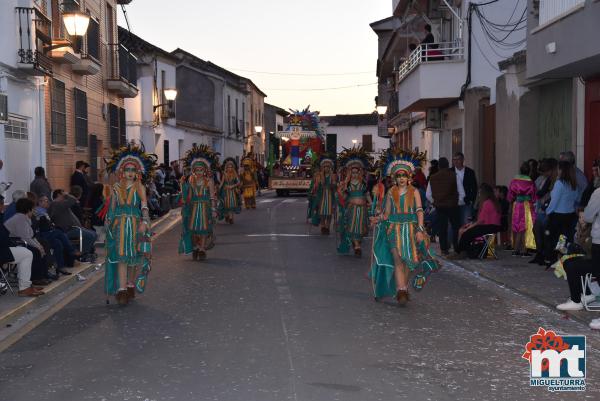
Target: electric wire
{"type": "Point", "coordinates": [320, 89]}
{"type": "Point", "coordinates": [304, 74]}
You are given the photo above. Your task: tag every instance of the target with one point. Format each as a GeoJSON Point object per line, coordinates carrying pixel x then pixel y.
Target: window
{"type": "Point", "coordinates": [59, 113]}
{"type": "Point", "coordinates": [93, 39]}
{"type": "Point", "coordinates": [113, 125]}
{"type": "Point", "coordinates": [16, 128]}
{"type": "Point", "coordinates": [81, 118]}
{"type": "Point", "coordinates": [122, 127]}
{"type": "Point", "coordinates": [163, 79]}
{"type": "Point", "coordinates": [367, 142]}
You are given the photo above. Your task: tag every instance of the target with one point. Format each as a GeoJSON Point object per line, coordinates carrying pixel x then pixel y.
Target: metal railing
{"type": "Point", "coordinates": [550, 9]}
{"type": "Point", "coordinates": [34, 32]}
{"type": "Point", "coordinates": [430, 52]}
{"type": "Point", "coordinates": [123, 64]}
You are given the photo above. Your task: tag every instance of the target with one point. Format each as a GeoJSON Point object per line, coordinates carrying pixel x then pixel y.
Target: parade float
{"type": "Point", "coordinates": [302, 142]}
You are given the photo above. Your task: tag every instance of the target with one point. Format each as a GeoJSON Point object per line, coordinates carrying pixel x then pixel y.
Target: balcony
{"type": "Point", "coordinates": [432, 76]}
{"type": "Point", "coordinates": [62, 52]}
{"type": "Point", "coordinates": [89, 49]}
{"type": "Point", "coordinates": [123, 71]}
{"type": "Point", "coordinates": [552, 10]}
{"type": "Point", "coordinates": [34, 34]}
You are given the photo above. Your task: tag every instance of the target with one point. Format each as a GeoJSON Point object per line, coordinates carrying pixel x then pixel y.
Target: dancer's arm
{"type": "Point", "coordinates": [420, 217]}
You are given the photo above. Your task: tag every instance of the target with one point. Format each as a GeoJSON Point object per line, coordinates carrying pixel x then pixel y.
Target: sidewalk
{"type": "Point", "coordinates": [530, 280]}
{"type": "Point", "coordinates": [19, 315]}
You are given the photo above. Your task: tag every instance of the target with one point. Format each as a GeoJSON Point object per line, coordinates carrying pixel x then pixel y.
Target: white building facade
{"type": "Point", "coordinates": [348, 130]}
{"type": "Point", "coordinates": [23, 68]}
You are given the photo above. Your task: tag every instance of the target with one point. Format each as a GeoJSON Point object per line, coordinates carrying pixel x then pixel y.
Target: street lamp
{"type": "Point", "coordinates": [354, 141]}
{"type": "Point", "coordinates": [381, 110]}
{"type": "Point", "coordinates": [170, 95]}
{"type": "Point", "coordinates": [76, 22]}
{"type": "Point", "coordinates": [258, 129]}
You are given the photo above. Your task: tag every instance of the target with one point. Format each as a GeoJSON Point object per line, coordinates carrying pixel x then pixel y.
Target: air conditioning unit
{"type": "Point", "coordinates": [3, 109]}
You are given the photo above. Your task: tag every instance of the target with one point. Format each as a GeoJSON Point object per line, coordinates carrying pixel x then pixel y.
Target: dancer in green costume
{"type": "Point", "coordinates": [353, 200]}
{"type": "Point", "coordinates": [127, 223]}
{"type": "Point", "coordinates": [199, 210]}
{"type": "Point", "coordinates": [229, 190]}
{"type": "Point", "coordinates": [326, 182]}
{"type": "Point", "coordinates": [400, 246]}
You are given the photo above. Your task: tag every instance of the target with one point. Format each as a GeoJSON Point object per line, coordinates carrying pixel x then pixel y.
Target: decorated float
{"type": "Point", "coordinates": [302, 142]}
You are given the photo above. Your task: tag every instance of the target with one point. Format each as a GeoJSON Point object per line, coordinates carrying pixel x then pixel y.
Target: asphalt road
{"type": "Point", "coordinates": [275, 314]}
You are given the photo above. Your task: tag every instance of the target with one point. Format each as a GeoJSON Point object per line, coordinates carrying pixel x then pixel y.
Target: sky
{"type": "Point", "coordinates": [316, 38]}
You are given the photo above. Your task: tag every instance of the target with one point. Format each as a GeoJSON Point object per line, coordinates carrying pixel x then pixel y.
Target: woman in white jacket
{"type": "Point", "coordinates": [576, 268]}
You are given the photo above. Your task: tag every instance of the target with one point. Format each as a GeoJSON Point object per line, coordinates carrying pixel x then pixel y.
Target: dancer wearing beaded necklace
{"type": "Point", "coordinates": [229, 190]}
{"type": "Point", "coordinates": [401, 245]}
{"type": "Point", "coordinates": [127, 224]}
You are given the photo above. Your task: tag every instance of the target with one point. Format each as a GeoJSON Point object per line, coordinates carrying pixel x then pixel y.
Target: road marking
{"type": "Point", "coordinates": [282, 235]}
{"type": "Point", "coordinates": [266, 200]}
{"type": "Point", "coordinates": [289, 201]}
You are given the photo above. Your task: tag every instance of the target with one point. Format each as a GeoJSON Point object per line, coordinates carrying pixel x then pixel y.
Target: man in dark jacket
{"type": "Point", "coordinates": [467, 187]}
{"type": "Point", "coordinates": [442, 192]}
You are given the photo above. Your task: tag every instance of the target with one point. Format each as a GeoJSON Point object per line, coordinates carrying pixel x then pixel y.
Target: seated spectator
{"type": "Point", "coordinates": [56, 238]}
{"type": "Point", "coordinates": [63, 217]}
{"type": "Point", "coordinates": [19, 227]}
{"type": "Point", "coordinates": [580, 267]}
{"type": "Point", "coordinates": [501, 193]}
{"type": "Point", "coordinates": [77, 209]}
{"type": "Point", "coordinates": [11, 209]}
{"type": "Point", "coordinates": [153, 199]}
{"type": "Point", "coordinates": [23, 258]}
{"type": "Point", "coordinates": [40, 185]}
{"type": "Point", "coordinates": [488, 220]}
{"type": "Point", "coordinates": [593, 185]}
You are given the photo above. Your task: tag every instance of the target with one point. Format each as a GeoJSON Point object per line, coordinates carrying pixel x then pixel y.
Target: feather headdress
{"type": "Point", "coordinates": [132, 153]}
{"type": "Point", "coordinates": [355, 157]}
{"type": "Point", "coordinates": [327, 158]}
{"type": "Point", "coordinates": [203, 155]}
{"type": "Point", "coordinates": [400, 159]}
{"type": "Point", "coordinates": [230, 160]}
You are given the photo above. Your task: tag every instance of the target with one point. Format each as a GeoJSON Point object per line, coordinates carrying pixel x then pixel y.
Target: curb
{"type": "Point", "coordinates": [17, 322]}
{"type": "Point", "coordinates": [575, 315]}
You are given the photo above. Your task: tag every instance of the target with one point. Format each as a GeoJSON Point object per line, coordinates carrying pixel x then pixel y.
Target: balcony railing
{"type": "Point", "coordinates": [123, 64]}
{"type": "Point", "coordinates": [34, 33]}
{"type": "Point", "coordinates": [430, 52]}
{"type": "Point", "coordinates": [550, 9]}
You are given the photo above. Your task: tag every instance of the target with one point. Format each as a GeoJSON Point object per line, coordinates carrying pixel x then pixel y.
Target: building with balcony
{"type": "Point", "coordinates": [437, 71]}
{"type": "Point", "coordinates": [348, 130]}
{"type": "Point", "coordinates": [25, 29]}
{"type": "Point", "coordinates": [211, 105]}
{"type": "Point", "coordinates": [274, 122]}
{"type": "Point", "coordinates": [255, 142]}
{"type": "Point", "coordinates": [563, 62]}
{"type": "Point", "coordinates": [92, 74]}
{"type": "Point", "coordinates": [150, 115]}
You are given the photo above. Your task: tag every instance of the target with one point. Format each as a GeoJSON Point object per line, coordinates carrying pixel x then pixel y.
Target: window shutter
{"type": "Point", "coordinates": [93, 39]}
{"type": "Point", "coordinates": [113, 112]}
{"type": "Point", "coordinates": [81, 118]}
{"type": "Point", "coordinates": [367, 143]}
{"type": "Point", "coordinates": [122, 127]}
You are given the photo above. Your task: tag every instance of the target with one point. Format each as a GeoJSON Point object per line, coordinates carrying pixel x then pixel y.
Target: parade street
{"type": "Point", "coordinates": [275, 314]}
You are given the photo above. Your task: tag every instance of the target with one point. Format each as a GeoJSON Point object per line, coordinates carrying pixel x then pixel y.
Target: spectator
{"type": "Point", "coordinates": [19, 226]}
{"type": "Point", "coordinates": [489, 219]}
{"type": "Point", "coordinates": [77, 192]}
{"type": "Point", "coordinates": [64, 252]}
{"type": "Point", "coordinates": [548, 170]}
{"type": "Point", "coordinates": [159, 176]}
{"type": "Point", "coordinates": [467, 187]}
{"type": "Point", "coordinates": [23, 258]}
{"type": "Point", "coordinates": [533, 169]}
{"type": "Point", "coordinates": [62, 216]}
{"type": "Point", "coordinates": [40, 185]}
{"type": "Point", "coordinates": [442, 192]}
{"type": "Point", "coordinates": [522, 194]}
{"type": "Point", "coordinates": [433, 168]}
{"type": "Point", "coordinates": [580, 177]}
{"type": "Point", "coordinates": [79, 178]}
{"type": "Point", "coordinates": [579, 267]}
{"type": "Point", "coordinates": [11, 209]}
{"type": "Point", "coordinates": [561, 210]}
{"type": "Point", "coordinates": [593, 185]}
{"type": "Point", "coordinates": [419, 179]}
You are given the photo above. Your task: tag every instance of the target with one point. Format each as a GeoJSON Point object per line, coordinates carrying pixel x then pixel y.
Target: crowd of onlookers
{"type": "Point", "coordinates": [45, 231]}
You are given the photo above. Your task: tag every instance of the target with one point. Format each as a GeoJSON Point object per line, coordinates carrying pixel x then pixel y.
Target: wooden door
{"type": "Point", "coordinates": [592, 124]}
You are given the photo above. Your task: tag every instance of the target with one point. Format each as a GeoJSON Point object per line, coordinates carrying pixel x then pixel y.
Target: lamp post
{"type": "Point", "coordinates": [257, 131]}
{"type": "Point", "coordinates": [381, 110]}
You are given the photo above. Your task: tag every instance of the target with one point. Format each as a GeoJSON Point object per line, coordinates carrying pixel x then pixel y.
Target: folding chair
{"type": "Point", "coordinates": [489, 247]}
{"type": "Point", "coordinates": [585, 285]}
{"type": "Point", "coordinates": [6, 270]}
{"type": "Point", "coordinates": [80, 239]}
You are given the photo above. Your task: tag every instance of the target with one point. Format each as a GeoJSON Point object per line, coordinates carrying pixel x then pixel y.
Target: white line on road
{"type": "Point", "coordinates": [266, 200]}
{"type": "Point", "coordinates": [282, 235]}
{"type": "Point", "coordinates": [289, 201]}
